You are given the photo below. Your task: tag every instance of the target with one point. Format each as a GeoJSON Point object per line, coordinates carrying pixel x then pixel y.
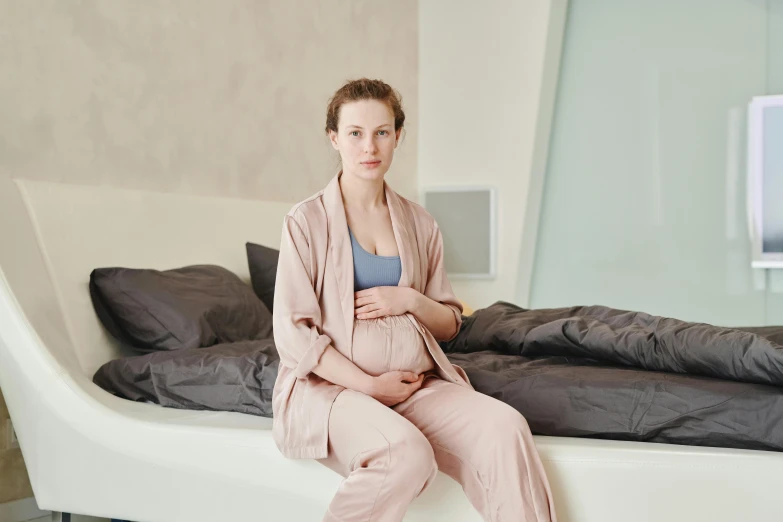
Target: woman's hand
{"type": "Point", "coordinates": [394, 387]}
{"type": "Point", "coordinates": [381, 301]}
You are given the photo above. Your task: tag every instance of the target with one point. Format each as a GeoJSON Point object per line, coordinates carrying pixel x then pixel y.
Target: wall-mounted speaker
{"type": "Point", "coordinates": [466, 217]}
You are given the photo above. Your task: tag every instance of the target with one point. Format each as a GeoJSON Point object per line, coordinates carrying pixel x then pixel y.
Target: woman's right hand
{"type": "Point", "coordinates": [394, 387]}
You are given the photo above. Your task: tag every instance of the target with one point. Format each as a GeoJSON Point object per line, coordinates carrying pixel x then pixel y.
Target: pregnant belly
{"type": "Point", "coordinates": [387, 344]}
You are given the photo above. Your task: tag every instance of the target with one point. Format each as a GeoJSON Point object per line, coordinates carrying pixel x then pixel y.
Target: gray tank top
{"type": "Point", "coordinates": [370, 270]}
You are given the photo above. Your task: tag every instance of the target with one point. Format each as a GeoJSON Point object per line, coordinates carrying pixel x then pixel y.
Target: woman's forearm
{"type": "Point", "coordinates": [337, 369]}
{"type": "Point", "coordinates": [437, 317]}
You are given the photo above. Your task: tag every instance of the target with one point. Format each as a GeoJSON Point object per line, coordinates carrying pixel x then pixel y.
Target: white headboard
{"type": "Point", "coordinates": [79, 228]}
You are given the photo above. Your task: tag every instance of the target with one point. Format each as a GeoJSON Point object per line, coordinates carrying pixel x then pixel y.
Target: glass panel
{"type": "Point", "coordinates": [644, 199]}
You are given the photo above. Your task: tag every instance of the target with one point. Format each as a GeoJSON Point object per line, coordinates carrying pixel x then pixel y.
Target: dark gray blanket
{"type": "Point", "coordinates": [236, 376]}
{"type": "Point", "coordinates": [606, 373]}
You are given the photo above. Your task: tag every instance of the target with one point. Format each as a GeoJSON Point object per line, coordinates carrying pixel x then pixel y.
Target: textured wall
{"type": "Point", "coordinates": [199, 96]}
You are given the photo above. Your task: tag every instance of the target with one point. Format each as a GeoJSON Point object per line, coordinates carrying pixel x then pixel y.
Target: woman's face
{"type": "Point", "coordinates": [365, 138]}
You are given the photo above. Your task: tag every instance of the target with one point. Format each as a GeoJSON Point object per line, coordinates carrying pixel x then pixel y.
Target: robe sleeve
{"type": "Point", "coordinates": [296, 318]}
{"type": "Point", "coordinates": [438, 287]}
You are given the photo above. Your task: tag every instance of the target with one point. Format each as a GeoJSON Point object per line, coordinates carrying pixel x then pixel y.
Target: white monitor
{"type": "Point", "coordinates": [765, 180]}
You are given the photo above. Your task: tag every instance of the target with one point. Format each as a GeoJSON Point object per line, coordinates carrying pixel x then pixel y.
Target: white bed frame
{"type": "Point", "coordinates": [91, 453]}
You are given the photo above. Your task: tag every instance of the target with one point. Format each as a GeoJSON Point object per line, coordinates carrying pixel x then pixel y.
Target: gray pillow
{"type": "Point", "coordinates": [225, 377]}
{"type": "Point", "coordinates": [262, 263]}
{"type": "Point", "coordinates": [190, 307]}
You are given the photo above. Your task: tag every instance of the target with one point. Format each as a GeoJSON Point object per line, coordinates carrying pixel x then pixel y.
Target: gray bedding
{"type": "Point", "coordinates": [605, 373]}
{"type": "Point", "coordinates": [581, 371]}
{"type": "Point", "coordinates": [236, 376]}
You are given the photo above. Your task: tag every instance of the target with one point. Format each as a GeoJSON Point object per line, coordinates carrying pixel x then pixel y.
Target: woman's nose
{"type": "Point", "coordinates": [370, 146]}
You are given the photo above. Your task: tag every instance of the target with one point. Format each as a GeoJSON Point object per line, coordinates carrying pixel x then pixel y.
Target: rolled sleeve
{"type": "Point", "coordinates": [312, 356]}
{"type": "Point", "coordinates": [458, 317]}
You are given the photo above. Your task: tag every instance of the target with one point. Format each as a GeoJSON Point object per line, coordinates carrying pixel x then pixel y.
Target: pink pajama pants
{"type": "Point", "coordinates": [388, 456]}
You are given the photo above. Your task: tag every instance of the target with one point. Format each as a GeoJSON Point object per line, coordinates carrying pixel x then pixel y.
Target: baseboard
{"type": "Point", "coordinates": [21, 510]}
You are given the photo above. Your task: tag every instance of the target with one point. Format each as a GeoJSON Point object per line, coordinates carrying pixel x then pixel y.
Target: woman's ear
{"type": "Point", "coordinates": [333, 140]}
{"type": "Point", "coordinates": [397, 138]}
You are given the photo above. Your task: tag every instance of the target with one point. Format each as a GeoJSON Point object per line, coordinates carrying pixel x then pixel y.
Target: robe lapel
{"type": "Point", "coordinates": [340, 250]}
{"type": "Point", "coordinates": [404, 237]}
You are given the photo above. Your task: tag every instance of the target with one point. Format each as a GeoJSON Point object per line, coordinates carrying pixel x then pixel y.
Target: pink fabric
{"type": "Point", "coordinates": [389, 456]}
{"type": "Point", "coordinates": [314, 306]}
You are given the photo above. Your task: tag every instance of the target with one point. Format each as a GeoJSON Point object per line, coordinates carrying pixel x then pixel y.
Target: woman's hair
{"type": "Point", "coordinates": [364, 89]}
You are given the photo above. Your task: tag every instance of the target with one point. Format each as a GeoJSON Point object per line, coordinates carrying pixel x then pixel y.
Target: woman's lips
{"type": "Point", "coordinates": [371, 164]}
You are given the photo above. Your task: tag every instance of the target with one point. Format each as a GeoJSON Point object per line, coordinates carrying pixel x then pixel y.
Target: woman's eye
{"type": "Point", "coordinates": [354, 133]}
{"type": "Point", "coordinates": [383, 132]}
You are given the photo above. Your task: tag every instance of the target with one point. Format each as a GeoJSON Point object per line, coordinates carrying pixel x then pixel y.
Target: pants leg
{"type": "Point", "coordinates": [386, 460]}
{"type": "Point", "coordinates": [486, 446]}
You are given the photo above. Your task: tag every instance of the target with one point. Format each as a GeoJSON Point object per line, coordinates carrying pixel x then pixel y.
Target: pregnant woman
{"type": "Point", "coordinates": [361, 300]}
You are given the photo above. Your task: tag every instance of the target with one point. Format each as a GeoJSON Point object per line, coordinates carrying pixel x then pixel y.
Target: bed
{"type": "Point", "coordinates": [91, 453]}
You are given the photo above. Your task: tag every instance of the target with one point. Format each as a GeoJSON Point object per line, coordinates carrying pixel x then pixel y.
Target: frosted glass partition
{"type": "Point", "coordinates": [644, 198]}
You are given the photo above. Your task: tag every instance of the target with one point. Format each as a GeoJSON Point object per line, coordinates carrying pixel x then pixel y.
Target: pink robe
{"type": "Point", "coordinates": [314, 307]}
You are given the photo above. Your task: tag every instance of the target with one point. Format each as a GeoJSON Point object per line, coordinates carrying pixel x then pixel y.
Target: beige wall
{"type": "Point", "coordinates": [200, 96]}
{"type": "Point", "coordinates": [486, 107]}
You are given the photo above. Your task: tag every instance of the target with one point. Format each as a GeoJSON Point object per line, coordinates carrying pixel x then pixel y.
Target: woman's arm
{"type": "Point", "coordinates": [338, 369]}
{"type": "Point", "coordinates": [381, 301]}
{"type": "Point", "coordinates": [438, 318]}
{"type": "Point", "coordinates": [389, 388]}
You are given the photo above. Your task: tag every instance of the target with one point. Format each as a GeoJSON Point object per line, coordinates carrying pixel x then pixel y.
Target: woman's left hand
{"type": "Point", "coordinates": [382, 301]}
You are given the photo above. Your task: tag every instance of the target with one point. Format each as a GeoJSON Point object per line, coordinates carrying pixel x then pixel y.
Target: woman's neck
{"type": "Point", "coordinates": [361, 194]}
